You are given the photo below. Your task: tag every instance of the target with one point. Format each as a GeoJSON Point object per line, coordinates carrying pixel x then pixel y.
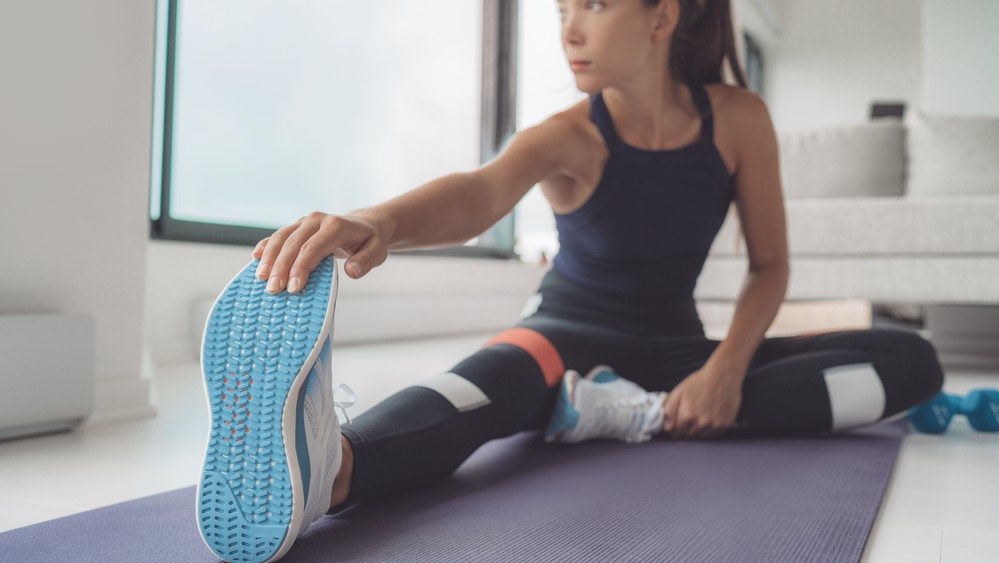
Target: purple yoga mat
{"type": "Point", "coordinates": [518, 499]}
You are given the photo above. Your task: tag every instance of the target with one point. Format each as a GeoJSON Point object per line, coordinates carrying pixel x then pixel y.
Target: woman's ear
{"type": "Point", "coordinates": [667, 16]}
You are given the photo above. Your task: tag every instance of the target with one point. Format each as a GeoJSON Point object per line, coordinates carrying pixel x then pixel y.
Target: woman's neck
{"type": "Point", "coordinates": [653, 116]}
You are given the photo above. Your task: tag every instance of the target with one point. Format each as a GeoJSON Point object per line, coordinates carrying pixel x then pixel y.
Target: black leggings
{"type": "Point", "coordinates": [794, 385]}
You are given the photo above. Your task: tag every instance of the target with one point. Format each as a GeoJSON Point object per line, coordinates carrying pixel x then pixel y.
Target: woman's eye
{"type": "Point", "coordinates": [595, 5]}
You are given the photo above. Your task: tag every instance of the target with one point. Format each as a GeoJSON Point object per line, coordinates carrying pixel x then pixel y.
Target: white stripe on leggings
{"type": "Point", "coordinates": [856, 395]}
{"type": "Point", "coordinates": [463, 394]}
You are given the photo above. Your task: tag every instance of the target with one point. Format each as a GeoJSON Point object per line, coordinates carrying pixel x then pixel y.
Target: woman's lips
{"type": "Point", "coordinates": [579, 65]}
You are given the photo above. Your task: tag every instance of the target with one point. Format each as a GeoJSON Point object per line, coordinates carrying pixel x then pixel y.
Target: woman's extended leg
{"type": "Point", "coordinates": [423, 433]}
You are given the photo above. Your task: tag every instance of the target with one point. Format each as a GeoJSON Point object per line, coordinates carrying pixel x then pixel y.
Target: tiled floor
{"type": "Point", "coordinates": [942, 503]}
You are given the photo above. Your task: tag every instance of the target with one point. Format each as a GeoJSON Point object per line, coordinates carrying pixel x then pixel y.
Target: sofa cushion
{"type": "Point", "coordinates": [952, 154]}
{"type": "Point", "coordinates": [843, 161]}
{"type": "Point", "coordinates": [960, 225]}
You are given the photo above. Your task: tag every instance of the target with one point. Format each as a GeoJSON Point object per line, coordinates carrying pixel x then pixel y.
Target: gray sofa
{"type": "Point", "coordinates": [888, 211]}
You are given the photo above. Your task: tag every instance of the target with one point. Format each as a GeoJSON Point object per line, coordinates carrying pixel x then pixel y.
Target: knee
{"type": "Point", "coordinates": [542, 351]}
{"type": "Point", "coordinates": [919, 356]}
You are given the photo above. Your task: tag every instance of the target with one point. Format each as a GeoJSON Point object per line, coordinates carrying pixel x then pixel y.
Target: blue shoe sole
{"type": "Point", "coordinates": [256, 353]}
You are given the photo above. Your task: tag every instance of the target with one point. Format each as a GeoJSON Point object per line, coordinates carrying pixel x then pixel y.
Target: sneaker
{"type": "Point", "coordinates": [274, 439]}
{"type": "Point", "coordinates": [604, 405]}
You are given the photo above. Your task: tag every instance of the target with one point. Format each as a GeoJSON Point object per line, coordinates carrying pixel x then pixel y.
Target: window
{"type": "Point", "coordinates": [545, 86]}
{"type": "Point", "coordinates": [754, 64]}
{"type": "Point", "coordinates": [275, 111]}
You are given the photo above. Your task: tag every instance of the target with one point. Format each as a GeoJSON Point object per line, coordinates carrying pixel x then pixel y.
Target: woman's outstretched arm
{"type": "Point", "coordinates": [446, 211]}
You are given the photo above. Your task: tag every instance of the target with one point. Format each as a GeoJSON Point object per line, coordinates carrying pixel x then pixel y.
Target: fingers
{"type": "Point", "coordinates": [683, 427]}
{"type": "Point", "coordinates": [697, 427]}
{"type": "Point", "coordinates": [670, 412]}
{"type": "Point", "coordinates": [308, 258]}
{"type": "Point", "coordinates": [289, 255]}
{"type": "Point", "coordinates": [270, 250]}
{"type": "Point", "coordinates": [701, 428]}
{"type": "Point", "coordinates": [313, 250]}
{"type": "Point", "coordinates": [678, 421]}
{"type": "Point", "coordinates": [281, 249]}
{"type": "Point", "coordinates": [258, 250]}
{"type": "Point", "coordinates": [371, 254]}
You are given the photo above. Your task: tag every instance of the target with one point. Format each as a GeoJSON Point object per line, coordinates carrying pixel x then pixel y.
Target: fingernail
{"type": "Point", "coordinates": [260, 271]}
{"type": "Point", "coordinates": [274, 285]}
{"type": "Point", "coordinates": [294, 284]}
{"type": "Point", "coordinates": [354, 269]}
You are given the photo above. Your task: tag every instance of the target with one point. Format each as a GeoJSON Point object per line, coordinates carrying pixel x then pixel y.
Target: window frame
{"type": "Point", "coordinates": [498, 123]}
{"type": "Point", "coordinates": [754, 63]}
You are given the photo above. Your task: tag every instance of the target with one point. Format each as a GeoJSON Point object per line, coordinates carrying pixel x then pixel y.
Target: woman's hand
{"type": "Point", "coordinates": [703, 405]}
{"type": "Point", "coordinates": [289, 255]}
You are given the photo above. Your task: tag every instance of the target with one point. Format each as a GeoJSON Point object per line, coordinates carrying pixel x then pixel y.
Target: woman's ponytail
{"type": "Point", "coordinates": [703, 41]}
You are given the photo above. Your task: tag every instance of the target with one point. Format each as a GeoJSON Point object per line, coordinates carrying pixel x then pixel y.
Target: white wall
{"type": "Point", "coordinates": [829, 60]}
{"type": "Point", "coordinates": [833, 58]}
{"type": "Point", "coordinates": [75, 100]}
{"type": "Point", "coordinates": [961, 56]}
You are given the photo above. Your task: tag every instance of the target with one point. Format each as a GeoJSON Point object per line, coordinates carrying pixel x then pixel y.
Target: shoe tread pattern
{"type": "Point", "coordinates": [255, 345]}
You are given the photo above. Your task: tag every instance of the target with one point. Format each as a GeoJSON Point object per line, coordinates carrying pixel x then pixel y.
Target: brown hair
{"type": "Point", "coordinates": [702, 42]}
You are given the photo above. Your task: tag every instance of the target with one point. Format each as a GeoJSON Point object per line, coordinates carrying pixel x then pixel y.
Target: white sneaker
{"type": "Point", "coordinates": [317, 425]}
{"type": "Point", "coordinates": [274, 440]}
{"type": "Point", "coordinates": [604, 405]}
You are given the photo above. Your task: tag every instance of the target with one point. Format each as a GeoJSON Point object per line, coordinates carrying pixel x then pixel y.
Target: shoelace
{"type": "Point", "coordinates": [348, 401]}
{"type": "Point", "coordinates": [627, 418]}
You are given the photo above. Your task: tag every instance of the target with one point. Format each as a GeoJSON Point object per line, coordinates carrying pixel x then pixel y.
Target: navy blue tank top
{"type": "Point", "coordinates": [646, 230]}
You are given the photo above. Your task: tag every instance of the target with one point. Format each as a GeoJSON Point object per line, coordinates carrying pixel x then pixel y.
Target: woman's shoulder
{"type": "Point", "coordinates": [740, 113]}
{"type": "Point", "coordinates": [742, 121]}
{"type": "Point", "coordinates": [573, 129]}
{"type": "Point", "coordinates": [735, 103]}
{"type": "Point", "coordinates": [573, 122]}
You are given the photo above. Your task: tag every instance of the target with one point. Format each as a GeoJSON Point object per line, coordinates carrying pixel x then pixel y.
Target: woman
{"type": "Point", "coordinates": [640, 176]}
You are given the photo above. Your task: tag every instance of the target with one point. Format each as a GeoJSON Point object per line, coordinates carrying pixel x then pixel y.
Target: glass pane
{"type": "Point", "coordinates": [545, 86]}
{"type": "Point", "coordinates": [285, 108]}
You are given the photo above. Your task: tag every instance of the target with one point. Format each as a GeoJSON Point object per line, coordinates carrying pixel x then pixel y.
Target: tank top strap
{"type": "Point", "coordinates": [703, 105]}
{"type": "Point", "coordinates": [600, 116]}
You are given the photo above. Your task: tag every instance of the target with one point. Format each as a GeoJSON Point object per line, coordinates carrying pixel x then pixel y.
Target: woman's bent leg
{"type": "Point", "coordinates": [837, 380]}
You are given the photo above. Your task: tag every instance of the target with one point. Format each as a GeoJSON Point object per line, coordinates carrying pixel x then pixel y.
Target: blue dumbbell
{"type": "Point", "coordinates": [981, 406]}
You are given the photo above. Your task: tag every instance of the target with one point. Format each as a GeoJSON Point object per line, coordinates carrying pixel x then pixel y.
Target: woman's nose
{"type": "Point", "coordinates": [570, 31]}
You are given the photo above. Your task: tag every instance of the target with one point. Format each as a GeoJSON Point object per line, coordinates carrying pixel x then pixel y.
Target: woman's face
{"type": "Point", "coordinates": [607, 42]}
